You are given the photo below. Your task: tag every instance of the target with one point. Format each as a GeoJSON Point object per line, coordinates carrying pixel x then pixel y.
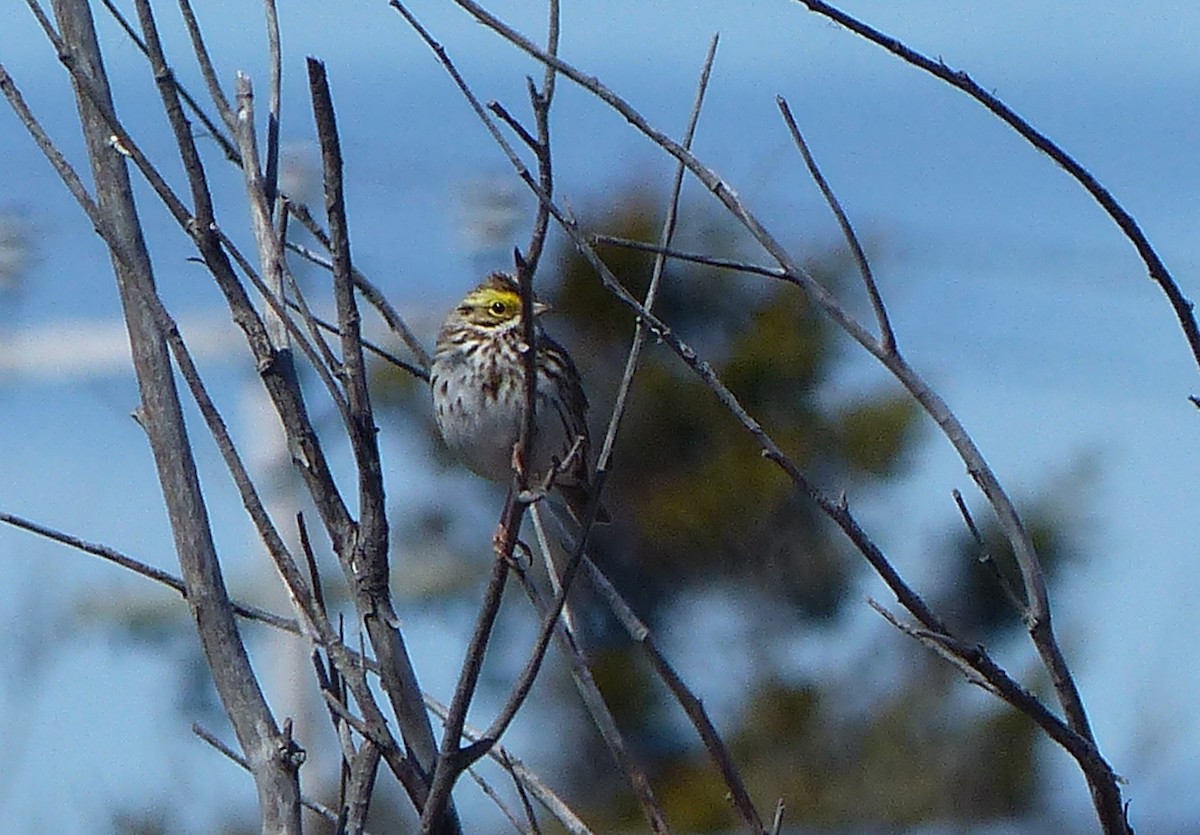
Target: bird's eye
{"type": "Point", "coordinates": [498, 308]}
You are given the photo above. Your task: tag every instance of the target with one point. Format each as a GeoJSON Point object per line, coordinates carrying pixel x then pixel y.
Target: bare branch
{"type": "Point", "coordinates": [502, 112]}
{"type": "Point", "coordinates": [359, 789]}
{"type": "Point", "coordinates": [276, 759]}
{"type": "Point", "coordinates": [127, 562]}
{"type": "Point", "coordinates": [275, 57]}
{"type": "Point", "coordinates": [215, 741]}
{"type": "Point", "coordinates": [987, 559]}
{"type": "Point", "coordinates": [258, 189]}
{"type": "Point", "coordinates": [532, 783]}
{"type": "Point", "coordinates": [451, 763]}
{"type": "Point", "coordinates": [777, 822]}
{"type": "Point", "coordinates": [887, 335]}
{"type": "Point", "coordinates": [695, 258]}
{"type": "Point", "coordinates": [365, 553]}
{"type": "Point", "coordinates": [1183, 308]}
{"type": "Point", "coordinates": [206, 66]}
{"type": "Point", "coordinates": [938, 645]}
{"type": "Point", "coordinates": [370, 292]}
{"type": "Point", "coordinates": [540, 101]}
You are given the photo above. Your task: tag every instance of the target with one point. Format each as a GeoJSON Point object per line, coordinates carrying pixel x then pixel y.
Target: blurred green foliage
{"type": "Point", "coordinates": [695, 506]}
{"type": "Point", "coordinates": [695, 502]}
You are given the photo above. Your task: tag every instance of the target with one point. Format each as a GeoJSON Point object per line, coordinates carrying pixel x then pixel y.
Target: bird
{"type": "Point", "coordinates": [478, 383]}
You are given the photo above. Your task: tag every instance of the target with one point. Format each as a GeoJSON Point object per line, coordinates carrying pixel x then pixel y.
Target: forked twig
{"type": "Point", "coordinates": [694, 257]}
{"type": "Point", "coordinates": [987, 559]}
{"type": "Point", "coordinates": [532, 783]}
{"type": "Point", "coordinates": [887, 336]}
{"type": "Point", "coordinates": [1183, 308]}
{"type": "Point", "coordinates": [233, 756]}
{"type": "Point", "coordinates": [210, 126]}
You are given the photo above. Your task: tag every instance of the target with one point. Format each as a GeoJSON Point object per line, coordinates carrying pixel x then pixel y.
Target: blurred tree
{"type": "Point", "coordinates": [695, 507]}
{"type": "Point", "coordinates": [695, 502]}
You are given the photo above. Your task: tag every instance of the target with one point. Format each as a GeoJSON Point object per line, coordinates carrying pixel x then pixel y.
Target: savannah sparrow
{"type": "Point", "coordinates": [479, 393]}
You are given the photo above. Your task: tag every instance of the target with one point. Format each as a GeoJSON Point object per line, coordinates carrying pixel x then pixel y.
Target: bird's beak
{"type": "Point", "coordinates": [540, 307]}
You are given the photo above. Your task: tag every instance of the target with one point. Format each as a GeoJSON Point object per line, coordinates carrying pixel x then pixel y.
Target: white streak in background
{"type": "Point", "coordinates": [82, 348]}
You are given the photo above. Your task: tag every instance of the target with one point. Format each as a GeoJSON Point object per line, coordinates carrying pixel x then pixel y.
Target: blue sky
{"type": "Point", "coordinates": [1010, 291]}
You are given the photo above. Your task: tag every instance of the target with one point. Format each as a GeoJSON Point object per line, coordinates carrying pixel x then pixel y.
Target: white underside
{"type": "Point", "coordinates": [482, 432]}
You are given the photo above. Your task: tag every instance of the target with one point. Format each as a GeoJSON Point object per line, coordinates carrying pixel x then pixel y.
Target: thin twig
{"type": "Point", "coordinates": [640, 633]}
{"type": "Point", "coordinates": [233, 756]}
{"type": "Point", "coordinates": [540, 101]}
{"type": "Point", "coordinates": [523, 796]}
{"type": "Point", "coordinates": [297, 301]}
{"type": "Point", "coordinates": [127, 562]}
{"type": "Point", "coordinates": [1183, 308]}
{"type": "Point", "coordinates": [596, 238]}
{"type": "Point", "coordinates": [204, 60]}
{"type": "Point", "coordinates": [227, 147]}
{"type": "Point", "coordinates": [601, 715]}
{"type": "Point", "coordinates": [450, 762]}
{"type": "Point", "coordinates": [369, 291]}
{"type": "Point", "coordinates": [887, 335]}
{"type": "Point", "coordinates": [494, 796]}
{"type": "Point", "coordinates": [502, 112]}
{"type": "Point", "coordinates": [275, 58]}
{"type": "Point", "coordinates": [546, 551]}
{"type": "Point", "coordinates": [939, 644]}
{"type": "Point", "coordinates": [777, 821]}
{"type": "Point", "coordinates": [260, 202]}
{"type": "Point", "coordinates": [534, 784]}
{"type": "Point", "coordinates": [665, 237]}
{"type": "Point", "coordinates": [985, 557]}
